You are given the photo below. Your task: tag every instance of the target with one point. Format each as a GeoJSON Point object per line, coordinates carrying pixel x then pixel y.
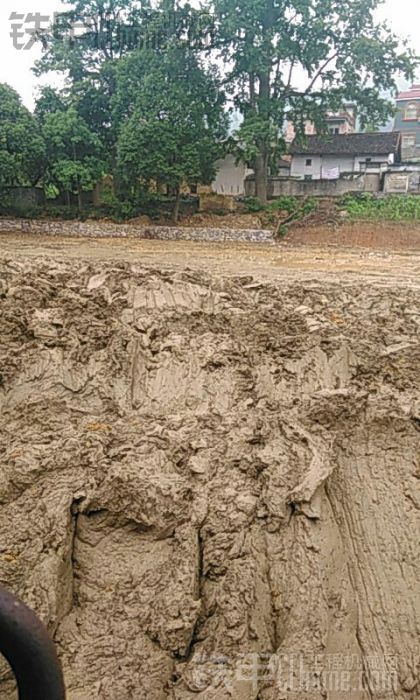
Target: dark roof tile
{"type": "Point", "coordinates": [376, 143]}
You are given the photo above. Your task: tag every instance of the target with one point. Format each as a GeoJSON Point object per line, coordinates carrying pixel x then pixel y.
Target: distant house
{"type": "Point", "coordinates": [407, 121]}
{"type": "Point", "coordinates": [230, 176]}
{"type": "Point", "coordinates": [327, 157]}
{"type": "Point", "coordinates": [341, 122]}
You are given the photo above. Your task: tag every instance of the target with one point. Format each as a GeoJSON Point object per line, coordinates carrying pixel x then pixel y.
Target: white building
{"type": "Point", "coordinates": [327, 157]}
{"type": "Point", "coordinates": [230, 177]}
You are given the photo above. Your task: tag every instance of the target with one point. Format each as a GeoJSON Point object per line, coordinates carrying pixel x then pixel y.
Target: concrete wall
{"type": "Point", "coordinates": [360, 162]}
{"type": "Point", "coordinates": [414, 182]}
{"type": "Point", "coordinates": [300, 169]}
{"type": "Point", "coordinates": [317, 188]}
{"type": "Point", "coordinates": [344, 165]}
{"type": "Point", "coordinates": [396, 183]}
{"type": "Point", "coordinates": [413, 174]}
{"type": "Point", "coordinates": [216, 202]}
{"type": "Point", "coordinates": [230, 178]}
{"type": "Point", "coordinates": [108, 230]}
{"type": "Point", "coordinates": [24, 197]}
{"type": "Point", "coordinates": [320, 164]}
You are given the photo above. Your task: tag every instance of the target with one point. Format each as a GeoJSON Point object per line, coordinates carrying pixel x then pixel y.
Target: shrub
{"type": "Point", "coordinates": [296, 208]}
{"type": "Point", "coordinates": [253, 204]}
{"type": "Point", "coordinates": [392, 207]}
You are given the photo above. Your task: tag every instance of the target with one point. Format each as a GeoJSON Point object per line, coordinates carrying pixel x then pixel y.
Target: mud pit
{"type": "Point", "coordinates": [210, 481]}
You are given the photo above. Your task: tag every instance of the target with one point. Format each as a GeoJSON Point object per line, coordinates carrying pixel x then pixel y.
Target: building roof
{"type": "Point", "coordinates": [382, 143]}
{"type": "Point", "coordinates": [412, 94]}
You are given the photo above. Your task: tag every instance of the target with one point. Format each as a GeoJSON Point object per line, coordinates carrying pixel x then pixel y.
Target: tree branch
{"type": "Point", "coordinates": [319, 72]}
{"type": "Point", "coordinates": [289, 80]}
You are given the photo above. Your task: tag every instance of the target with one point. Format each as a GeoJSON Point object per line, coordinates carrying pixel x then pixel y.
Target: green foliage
{"type": "Point", "coordinates": [48, 102]}
{"type": "Point", "coordinates": [51, 191]}
{"type": "Point", "coordinates": [151, 111]}
{"type": "Point", "coordinates": [293, 204]}
{"type": "Point", "coordinates": [88, 61]}
{"type": "Point", "coordinates": [140, 201]}
{"type": "Point", "coordinates": [177, 125]}
{"type": "Point", "coordinates": [253, 204]}
{"type": "Point", "coordinates": [392, 207]}
{"type": "Point", "coordinates": [22, 151]}
{"type": "Point", "coordinates": [284, 207]}
{"type": "Point", "coordinates": [73, 150]}
{"type": "Point", "coordinates": [296, 208]}
{"type": "Point", "coordinates": [102, 40]}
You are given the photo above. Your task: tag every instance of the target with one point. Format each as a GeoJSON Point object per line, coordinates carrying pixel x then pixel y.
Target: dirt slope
{"type": "Point", "coordinates": [209, 483]}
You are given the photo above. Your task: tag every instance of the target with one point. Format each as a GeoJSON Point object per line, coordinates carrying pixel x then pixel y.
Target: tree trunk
{"type": "Point", "coordinates": [263, 102]}
{"type": "Point", "coordinates": [175, 215]}
{"type": "Point", "coordinates": [261, 178]}
{"type": "Point", "coordinates": [79, 199]}
{"type": "Point", "coordinates": [261, 161]}
{"type": "Point", "coordinates": [68, 198]}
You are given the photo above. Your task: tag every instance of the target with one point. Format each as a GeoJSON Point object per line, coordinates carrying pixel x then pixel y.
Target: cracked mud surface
{"type": "Point", "coordinates": [208, 475]}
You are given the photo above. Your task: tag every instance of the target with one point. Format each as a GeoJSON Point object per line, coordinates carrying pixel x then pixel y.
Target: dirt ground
{"type": "Point", "coordinates": [379, 236]}
{"type": "Point", "coordinates": [210, 466]}
{"type": "Point", "coordinates": [290, 258]}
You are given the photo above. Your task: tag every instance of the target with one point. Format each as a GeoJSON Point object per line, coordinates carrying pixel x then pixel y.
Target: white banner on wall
{"type": "Point", "coordinates": [330, 173]}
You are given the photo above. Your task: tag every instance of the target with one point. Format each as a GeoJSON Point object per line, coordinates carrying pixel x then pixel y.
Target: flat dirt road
{"type": "Point", "coordinates": [283, 260]}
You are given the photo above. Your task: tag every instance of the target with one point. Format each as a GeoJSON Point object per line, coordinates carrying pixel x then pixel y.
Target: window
{"type": "Point", "coordinates": [411, 111]}
{"type": "Point", "coordinates": [308, 177]}
{"type": "Point", "coordinates": [308, 162]}
{"type": "Point", "coordinates": [408, 141]}
{"type": "Point", "coordinates": [334, 130]}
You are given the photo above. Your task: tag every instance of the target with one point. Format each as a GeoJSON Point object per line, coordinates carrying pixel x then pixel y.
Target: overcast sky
{"type": "Point", "coordinates": [15, 65]}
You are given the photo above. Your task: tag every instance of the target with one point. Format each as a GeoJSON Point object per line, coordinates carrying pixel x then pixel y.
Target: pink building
{"type": "Point", "coordinates": [341, 122]}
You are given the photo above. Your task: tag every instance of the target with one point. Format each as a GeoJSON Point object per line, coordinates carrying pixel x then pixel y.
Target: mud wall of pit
{"type": "Point", "coordinates": [209, 486]}
{"type": "Point", "coordinates": [110, 230]}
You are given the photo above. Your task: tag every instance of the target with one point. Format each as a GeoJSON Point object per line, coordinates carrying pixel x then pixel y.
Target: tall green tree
{"type": "Point", "coordinates": [85, 44]}
{"type": "Point", "coordinates": [87, 41]}
{"type": "Point", "coordinates": [89, 33]}
{"type": "Point", "coordinates": [175, 122]}
{"type": "Point", "coordinates": [22, 150]}
{"type": "Point", "coordinates": [296, 59]}
{"type": "Point", "coordinates": [74, 153]}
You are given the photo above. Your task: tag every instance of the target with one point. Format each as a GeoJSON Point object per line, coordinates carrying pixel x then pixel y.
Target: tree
{"type": "Point", "coordinates": [49, 100]}
{"type": "Point", "coordinates": [175, 124]}
{"type": "Point", "coordinates": [85, 43]}
{"type": "Point", "coordinates": [22, 151]}
{"type": "Point", "coordinates": [296, 59]}
{"type": "Point", "coordinates": [89, 33]}
{"type": "Point", "coordinates": [73, 152]}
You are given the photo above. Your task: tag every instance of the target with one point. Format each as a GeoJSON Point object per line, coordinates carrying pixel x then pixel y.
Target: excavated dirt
{"type": "Point", "coordinates": [209, 483]}
{"type": "Point", "coordinates": [366, 234]}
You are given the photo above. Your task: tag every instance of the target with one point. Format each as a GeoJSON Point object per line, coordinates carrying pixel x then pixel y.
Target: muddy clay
{"type": "Point", "coordinates": [209, 483]}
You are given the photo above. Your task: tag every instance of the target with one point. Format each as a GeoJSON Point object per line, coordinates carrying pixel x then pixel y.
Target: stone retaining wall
{"type": "Point", "coordinates": [107, 230]}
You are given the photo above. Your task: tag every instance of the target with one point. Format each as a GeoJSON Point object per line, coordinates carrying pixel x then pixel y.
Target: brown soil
{"type": "Point", "coordinates": [231, 221]}
{"type": "Point", "coordinates": [384, 236]}
{"type": "Point", "coordinates": [210, 466]}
